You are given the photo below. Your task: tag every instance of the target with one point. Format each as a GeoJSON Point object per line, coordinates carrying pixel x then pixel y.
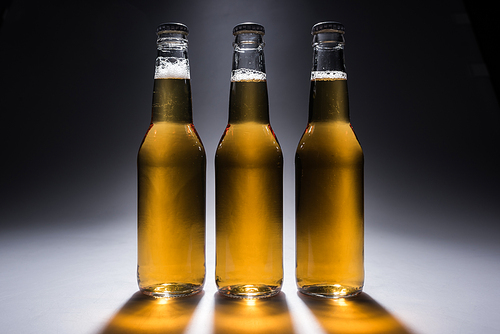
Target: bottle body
{"type": "Point", "coordinates": [171, 194]}
{"type": "Point", "coordinates": [329, 194]}
{"type": "Point", "coordinates": [249, 195]}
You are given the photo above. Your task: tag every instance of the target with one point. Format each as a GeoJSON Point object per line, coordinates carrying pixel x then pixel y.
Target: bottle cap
{"type": "Point", "coordinates": [328, 26]}
{"type": "Point", "coordinates": [249, 27]}
{"type": "Point", "coordinates": [173, 27]}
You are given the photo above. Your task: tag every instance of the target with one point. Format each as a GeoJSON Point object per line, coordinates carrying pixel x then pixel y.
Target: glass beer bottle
{"type": "Point", "coordinates": [249, 180]}
{"type": "Point", "coordinates": [329, 179]}
{"type": "Point", "coordinates": [171, 179]}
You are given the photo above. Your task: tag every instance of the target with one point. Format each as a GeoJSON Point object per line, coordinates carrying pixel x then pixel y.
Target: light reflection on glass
{"type": "Point", "coordinates": [340, 302]}
{"type": "Point", "coordinates": [356, 315]}
{"type": "Point", "coordinates": [148, 315]}
{"type": "Point", "coordinates": [255, 316]}
{"type": "Point", "coordinates": [163, 301]}
{"type": "Point", "coordinates": [250, 301]}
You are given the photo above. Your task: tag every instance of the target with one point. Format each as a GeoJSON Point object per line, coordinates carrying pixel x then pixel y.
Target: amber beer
{"type": "Point", "coordinates": [249, 183]}
{"type": "Point", "coordinates": [171, 180]}
{"type": "Point", "coordinates": [329, 180]}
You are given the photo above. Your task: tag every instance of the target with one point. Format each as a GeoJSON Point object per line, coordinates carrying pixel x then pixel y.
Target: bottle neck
{"type": "Point", "coordinates": [249, 52]}
{"type": "Point", "coordinates": [328, 52]}
{"type": "Point", "coordinates": [328, 98]}
{"type": "Point", "coordinates": [248, 101]}
{"type": "Point", "coordinates": [172, 45]}
{"type": "Point", "coordinates": [172, 101]}
{"type": "Point", "coordinates": [172, 87]}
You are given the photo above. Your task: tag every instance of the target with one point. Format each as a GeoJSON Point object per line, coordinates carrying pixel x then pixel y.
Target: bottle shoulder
{"type": "Point", "coordinates": [249, 143]}
{"type": "Point", "coordinates": [324, 140]}
{"type": "Point", "coordinates": [167, 141]}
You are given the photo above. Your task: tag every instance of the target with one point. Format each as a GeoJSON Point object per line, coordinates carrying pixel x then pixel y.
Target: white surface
{"type": "Point", "coordinates": [78, 281]}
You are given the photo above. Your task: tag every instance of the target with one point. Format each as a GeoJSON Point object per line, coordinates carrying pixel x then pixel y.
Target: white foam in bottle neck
{"type": "Point", "coordinates": [328, 75]}
{"type": "Point", "coordinates": [172, 68]}
{"type": "Point", "coordinates": [246, 74]}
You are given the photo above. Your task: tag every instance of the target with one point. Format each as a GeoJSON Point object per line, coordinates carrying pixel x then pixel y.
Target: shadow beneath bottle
{"type": "Point", "coordinates": [256, 316]}
{"type": "Point", "coordinates": [144, 314]}
{"type": "Point", "coordinates": [355, 315]}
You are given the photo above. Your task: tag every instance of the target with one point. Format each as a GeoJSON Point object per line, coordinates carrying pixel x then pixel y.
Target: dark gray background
{"type": "Point", "coordinates": [77, 78]}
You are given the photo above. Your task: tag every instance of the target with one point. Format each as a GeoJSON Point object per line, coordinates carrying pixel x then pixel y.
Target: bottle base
{"type": "Point", "coordinates": [330, 290]}
{"type": "Point", "coordinates": [171, 290]}
{"type": "Point", "coordinates": [249, 291]}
